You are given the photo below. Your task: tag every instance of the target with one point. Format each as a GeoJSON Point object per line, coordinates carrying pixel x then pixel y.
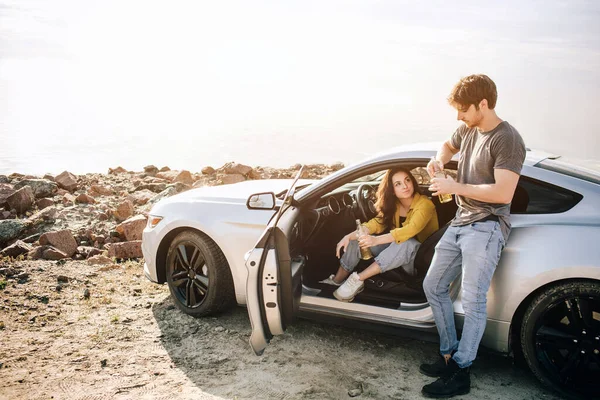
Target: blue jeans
{"type": "Point", "coordinates": [474, 251]}
{"type": "Point", "coordinates": [388, 256]}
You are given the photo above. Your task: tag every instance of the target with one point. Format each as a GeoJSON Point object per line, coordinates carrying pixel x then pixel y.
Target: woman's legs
{"type": "Point", "coordinates": [351, 258]}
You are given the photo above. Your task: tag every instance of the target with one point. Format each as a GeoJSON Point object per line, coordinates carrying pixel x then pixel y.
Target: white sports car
{"type": "Point", "coordinates": [211, 247]}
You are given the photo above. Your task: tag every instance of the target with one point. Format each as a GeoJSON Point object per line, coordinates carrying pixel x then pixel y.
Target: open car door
{"type": "Point", "coordinates": [274, 283]}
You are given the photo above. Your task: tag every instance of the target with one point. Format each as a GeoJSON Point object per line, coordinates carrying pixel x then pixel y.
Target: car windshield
{"type": "Point", "coordinates": [371, 177]}
{"type": "Point", "coordinates": [282, 194]}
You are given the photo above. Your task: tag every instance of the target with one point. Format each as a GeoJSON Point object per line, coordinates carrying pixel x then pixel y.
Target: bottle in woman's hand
{"type": "Point", "coordinates": [365, 253]}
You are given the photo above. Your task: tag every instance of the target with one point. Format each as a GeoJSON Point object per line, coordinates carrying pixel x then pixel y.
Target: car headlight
{"type": "Point", "coordinates": [153, 220]}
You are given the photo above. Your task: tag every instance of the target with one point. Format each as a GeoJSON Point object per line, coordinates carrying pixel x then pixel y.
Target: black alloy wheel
{"type": "Point", "coordinates": [560, 338]}
{"type": "Point", "coordinates": [198, 275]}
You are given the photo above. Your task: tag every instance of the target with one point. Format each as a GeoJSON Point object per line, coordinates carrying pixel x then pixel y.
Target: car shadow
{"type": "Point", "coordinates": [318, 360]}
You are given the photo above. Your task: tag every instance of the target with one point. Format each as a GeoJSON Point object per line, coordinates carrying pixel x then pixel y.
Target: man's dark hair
{"type": "Point", "coordinates": [471, 90]}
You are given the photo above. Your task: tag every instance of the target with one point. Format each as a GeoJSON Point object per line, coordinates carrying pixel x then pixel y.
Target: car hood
{"type": "Point", "coordinates": [237, 192]}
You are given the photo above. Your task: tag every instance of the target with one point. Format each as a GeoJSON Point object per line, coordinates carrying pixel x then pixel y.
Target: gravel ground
{"type": "Point", "coordinates": [69, 330]}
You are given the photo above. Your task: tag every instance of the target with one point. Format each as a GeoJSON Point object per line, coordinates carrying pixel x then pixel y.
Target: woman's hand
{"type": "Point", "coordinates": [367, 241]}
{"type": "Point", "coordinates": [343, 244]}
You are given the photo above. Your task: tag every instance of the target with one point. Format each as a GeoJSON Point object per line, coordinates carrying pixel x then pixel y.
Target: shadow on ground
{"type": "Point", "coordinates": [314, 360]}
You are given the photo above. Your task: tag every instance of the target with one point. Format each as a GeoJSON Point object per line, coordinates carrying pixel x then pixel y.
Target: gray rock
{"type": "Point", "coordinates": [11, 228]}
{"type": "Point", "coordinates": [40, 187]}
{"type": "Point", "coordinates": [21, 200]}
{"type": "Point", "coordinates": [4, 179]}
{"type": "Point", "coordinates": [16, 249]}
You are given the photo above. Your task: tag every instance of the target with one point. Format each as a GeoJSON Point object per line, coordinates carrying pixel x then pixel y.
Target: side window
{"type": "Point", "coordinates": [536, 197]}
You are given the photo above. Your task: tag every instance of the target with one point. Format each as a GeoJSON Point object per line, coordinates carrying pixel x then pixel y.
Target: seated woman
{"type": "Point", "coordinates": [409, 217]}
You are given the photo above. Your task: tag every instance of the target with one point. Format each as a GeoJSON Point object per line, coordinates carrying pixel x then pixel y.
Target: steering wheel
{"type": "Point", "coordinates": [365, 199]}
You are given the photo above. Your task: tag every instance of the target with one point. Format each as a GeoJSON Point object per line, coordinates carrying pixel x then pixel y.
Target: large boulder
{"type": "Point", "coordinates": [16, 249]}
{"type": "Point", "coordinates": [61, 240]}
{"type": "Point", "coordinates": [10, 229]}
{"type": "Point", "coordinates": [40, 187]}
{"type": "Point", "coordinates": [126, 249]}
{"type": "Point", "coordinates": [21, 200]}
{"type": "Point", "coordinates": [67, 181]}
{"type": "Point", "coordinates": [132, 228]}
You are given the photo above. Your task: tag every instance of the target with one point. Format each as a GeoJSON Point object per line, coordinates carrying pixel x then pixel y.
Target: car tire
{"type": "Point", "coordinates": [198, 275]}
{"type": "Point", "coordinates": [560, 338]}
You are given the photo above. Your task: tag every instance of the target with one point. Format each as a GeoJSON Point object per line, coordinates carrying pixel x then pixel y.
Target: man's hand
{"type": "Point", "coordinates": [367, 241]}
{"type": "Point", "coordinates": [440, 186]}
{"type": "Point", "coordinates": [343, 244]}
{"type": "Point", "coordinates": [433, 165]}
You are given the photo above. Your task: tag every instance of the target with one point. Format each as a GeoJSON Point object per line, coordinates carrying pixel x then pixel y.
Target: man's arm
{"type": "Point", "coordinates": [444, 155]}
{"type": "Point", "coordinates": [500, 192]}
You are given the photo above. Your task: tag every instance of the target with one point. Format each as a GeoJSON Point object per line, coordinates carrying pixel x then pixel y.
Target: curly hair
{"type": "Point", "coordinates": [386, 198]}
{"type": "Point", "coordinates": [471, 90]}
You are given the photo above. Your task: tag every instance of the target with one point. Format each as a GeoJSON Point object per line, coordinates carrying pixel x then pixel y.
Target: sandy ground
{"type": "Point", "coordinates": [127, 341]}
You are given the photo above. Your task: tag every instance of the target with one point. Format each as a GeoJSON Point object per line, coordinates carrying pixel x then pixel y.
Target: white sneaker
{"type": "Point", "coordinates": [330, 281]}
{"type": "Point", "coordinates": [350, 288]}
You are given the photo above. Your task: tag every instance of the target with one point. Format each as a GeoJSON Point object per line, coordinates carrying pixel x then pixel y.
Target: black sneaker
{"type": "Point", "coordinates": [436, 368]}
{"type": "Point", "coordinates": [453, 382]}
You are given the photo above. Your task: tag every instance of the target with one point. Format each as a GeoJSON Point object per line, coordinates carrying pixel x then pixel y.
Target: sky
{"type": "Point", "coordinates": [87, 85]}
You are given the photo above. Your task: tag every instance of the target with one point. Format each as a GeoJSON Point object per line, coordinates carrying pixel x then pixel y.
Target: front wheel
{"type": "Point", "coordinates": [560, 338]}
{"type": "Point", "coordinates": [198, 275]}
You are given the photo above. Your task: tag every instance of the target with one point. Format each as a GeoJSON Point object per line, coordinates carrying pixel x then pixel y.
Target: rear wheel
{"type": "Point", "coordinates": [198, 275]}
{"type": "Point", "coordinates": [560, 338]}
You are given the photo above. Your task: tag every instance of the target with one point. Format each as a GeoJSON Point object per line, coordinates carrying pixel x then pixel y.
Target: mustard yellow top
{"type": "Point", "coordinates": [421, 221]}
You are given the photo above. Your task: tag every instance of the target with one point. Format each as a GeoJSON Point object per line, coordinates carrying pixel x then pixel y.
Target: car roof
{"type": "Point", "coordinates": [429, 149]}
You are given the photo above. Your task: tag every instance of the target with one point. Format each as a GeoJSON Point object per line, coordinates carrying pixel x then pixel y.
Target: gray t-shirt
{"type": "Point", "coordinates": [480, 154]}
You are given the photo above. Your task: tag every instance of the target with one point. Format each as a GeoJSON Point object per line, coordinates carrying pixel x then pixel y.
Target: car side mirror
{"type": "Point", "coordinates": [261, 201]}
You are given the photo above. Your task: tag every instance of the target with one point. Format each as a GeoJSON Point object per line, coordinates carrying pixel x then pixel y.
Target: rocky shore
{"type": "Point", "coordinates": [100, 217]}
